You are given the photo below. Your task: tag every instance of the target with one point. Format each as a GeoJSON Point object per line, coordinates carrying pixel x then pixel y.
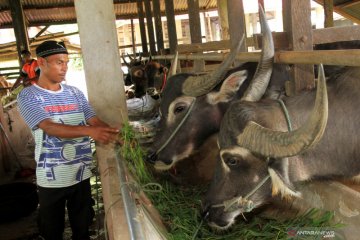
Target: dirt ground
{"type": "Point", "coordinates": [26, 228]}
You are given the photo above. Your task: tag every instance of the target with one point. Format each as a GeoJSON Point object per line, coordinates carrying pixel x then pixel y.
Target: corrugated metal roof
{"type": "Point", "coordinates": [45, 12]}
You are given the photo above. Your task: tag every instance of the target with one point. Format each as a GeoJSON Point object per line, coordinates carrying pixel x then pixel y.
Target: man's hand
{"type": "Point", "coordinates": [102, 134]}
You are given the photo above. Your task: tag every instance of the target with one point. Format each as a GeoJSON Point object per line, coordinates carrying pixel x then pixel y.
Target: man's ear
{"type": "Point", "coordinates": [41, 61]}
{"type": "Point", "coordinates": [229, 88]}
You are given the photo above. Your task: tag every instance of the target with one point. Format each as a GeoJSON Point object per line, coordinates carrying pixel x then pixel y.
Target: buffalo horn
{"type": "Point", "coordinates": [277, 144]}
{"type": "Point", "coordinates": [126, 63]}
{"type": "Point", "coordinates": [261, 78]}
{"type": "Point", "coordinates": [130, 57]}
{"type": "Point", "coordinates": [199, 85]}
{"type": "Point", "coordinates": [174, 64]}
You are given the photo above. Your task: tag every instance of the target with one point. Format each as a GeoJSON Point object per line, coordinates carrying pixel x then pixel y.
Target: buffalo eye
{"type": "Point", "coordinates": [231, 161]}
{"type": "Point", "coordinates": [178, 109]}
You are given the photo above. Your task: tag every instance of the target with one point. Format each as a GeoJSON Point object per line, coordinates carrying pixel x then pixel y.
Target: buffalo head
{"type": "Point", "coordinates": [253, 162]}
{"type": "Point", "coordinates": [193, 106]}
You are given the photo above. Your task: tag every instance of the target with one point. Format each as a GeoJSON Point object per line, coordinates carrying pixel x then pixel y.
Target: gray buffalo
{"type": "Point", "coordinates": [262, 156]}
{"type": "Point", "coordinates": [192, 106]}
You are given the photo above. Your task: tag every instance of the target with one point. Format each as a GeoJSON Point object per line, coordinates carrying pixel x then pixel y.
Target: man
{"type": "Point", "coordinates": [62, 121]}
{"type": "Point", "coordinates": [29, 72]}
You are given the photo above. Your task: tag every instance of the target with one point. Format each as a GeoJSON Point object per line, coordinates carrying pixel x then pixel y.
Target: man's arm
{"type": "Point", "coordinates": [102, 133]}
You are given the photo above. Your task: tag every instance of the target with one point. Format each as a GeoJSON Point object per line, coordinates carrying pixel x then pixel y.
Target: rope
{"type": "Point", "coordinates": [177, 128]}
{"type": "Point", "coordinates": [286, 113]}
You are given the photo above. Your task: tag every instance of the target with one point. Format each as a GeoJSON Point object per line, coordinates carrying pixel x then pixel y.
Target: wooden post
{"type": "Point", "coordinates": [195, 30]}
{"type": "Point", "coordinates": [140, 9]}
{"type": "Point", "coordinates": [107, 96]}
{"type": "Point", "coordinates": [237, 26]}
{"type": "Point", "coordinates": [223, 16]}
{"type": "Point", "coordinates": [21, 34]}
{"type": "Point", "coordinates": [261, 2]}
{"type": "Point", "coordinates": [297, 24]}
{"type": "Point", "coordinates": [158, 25]}
{"type": "Point", "coordinates": [133, 40]}
{"type": "Point", "coordinates": [150, 26]}
{"type": "Point", "coordinates": [328, 11]}
{"type": "Point", "coordinates": [171, 25]}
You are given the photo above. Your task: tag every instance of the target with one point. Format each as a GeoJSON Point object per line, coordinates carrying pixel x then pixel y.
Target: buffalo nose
{"type": "Point", "coordinates": [151, 157]}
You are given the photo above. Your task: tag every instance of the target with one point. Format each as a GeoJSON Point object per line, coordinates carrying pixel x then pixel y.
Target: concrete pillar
{"type": "Point", "coordinates": [106, 94]}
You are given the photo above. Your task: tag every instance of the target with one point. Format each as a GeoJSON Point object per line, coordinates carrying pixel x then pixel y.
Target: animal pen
{"type": "Point", "coordinates": [129, 212]}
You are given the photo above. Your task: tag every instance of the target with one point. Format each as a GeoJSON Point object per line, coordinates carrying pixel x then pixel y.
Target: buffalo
{"type": "Point", "coordinates": [192, 106]}
{"type": "Point", "coordinates": [261, 156]}
{"type": "Point", "coordinates": [145, 76]}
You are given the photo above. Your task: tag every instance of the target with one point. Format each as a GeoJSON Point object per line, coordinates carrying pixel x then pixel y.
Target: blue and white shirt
{"type": "Point", "coordinates": [61, 162]}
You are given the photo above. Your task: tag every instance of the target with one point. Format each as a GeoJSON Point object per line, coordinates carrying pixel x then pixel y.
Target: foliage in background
{"type": "Point", "coordinates": [76, 62]}
{"type": "Point", "coordinates": [180, 207]}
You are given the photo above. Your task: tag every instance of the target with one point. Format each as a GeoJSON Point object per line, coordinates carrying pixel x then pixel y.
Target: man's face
{"type": "Point", "coordinates": [54, 67]}
{"type": "Point", "coordinates": [26, 57]}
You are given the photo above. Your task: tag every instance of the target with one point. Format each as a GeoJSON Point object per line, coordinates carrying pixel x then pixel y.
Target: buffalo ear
{"type": "Point", "coordinates": [279, 173]}
{"type": "Point", "coordinates": [229, 88]}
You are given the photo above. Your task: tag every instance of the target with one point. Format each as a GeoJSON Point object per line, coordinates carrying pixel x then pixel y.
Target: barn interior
{"type": "Point", "coordinates": [201, 32]}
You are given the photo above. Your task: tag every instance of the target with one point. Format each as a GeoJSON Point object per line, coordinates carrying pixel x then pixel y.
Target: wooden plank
{"type": "Point", "coordinates": [297, 23]}
{"type": "Point", "coordinates": [327, 57]}
{"type": "Point", "coordinates": [336, 34]}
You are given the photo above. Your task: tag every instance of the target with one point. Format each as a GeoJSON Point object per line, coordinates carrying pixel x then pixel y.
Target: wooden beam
{"type": "Point", "coordinates": [150, 26]}
{"type": "Point", "coordinates": [326, 57]}
{"type": "Point", "coordinates": [348, 4]}
{"type": "Point", "coordinates": [140, 10]}
{"type": "Point", "coordinates": [19, 25]}
{"type": "Point", "coordinates": [339, 9]}
{"type": "Point", "coordinates": [158, 25]}
{"type": "Point", "coordinates": [171, 25]}
{"type": "Point", "coordinates": [237, 26]}
{"type": "Point", "coordinates": [336, 34]}
{"type": "Point", "coordinates": [195, 29]}
{"type": "Point", "coordinates": [297, 23]}
{"type": "Point", "coordinates": [224, 19]}
{"type": "Point", "coordinates": [133, 36]}
{"type": "Point", "coordinates": [329, 12]}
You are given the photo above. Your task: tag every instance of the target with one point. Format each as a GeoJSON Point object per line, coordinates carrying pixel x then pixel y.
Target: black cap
{"type": "Point", "coordinates": [49, 48]}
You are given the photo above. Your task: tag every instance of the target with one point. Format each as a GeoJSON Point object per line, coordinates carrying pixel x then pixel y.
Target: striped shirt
{"type": "Point", "coordinates": [61, 162]}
